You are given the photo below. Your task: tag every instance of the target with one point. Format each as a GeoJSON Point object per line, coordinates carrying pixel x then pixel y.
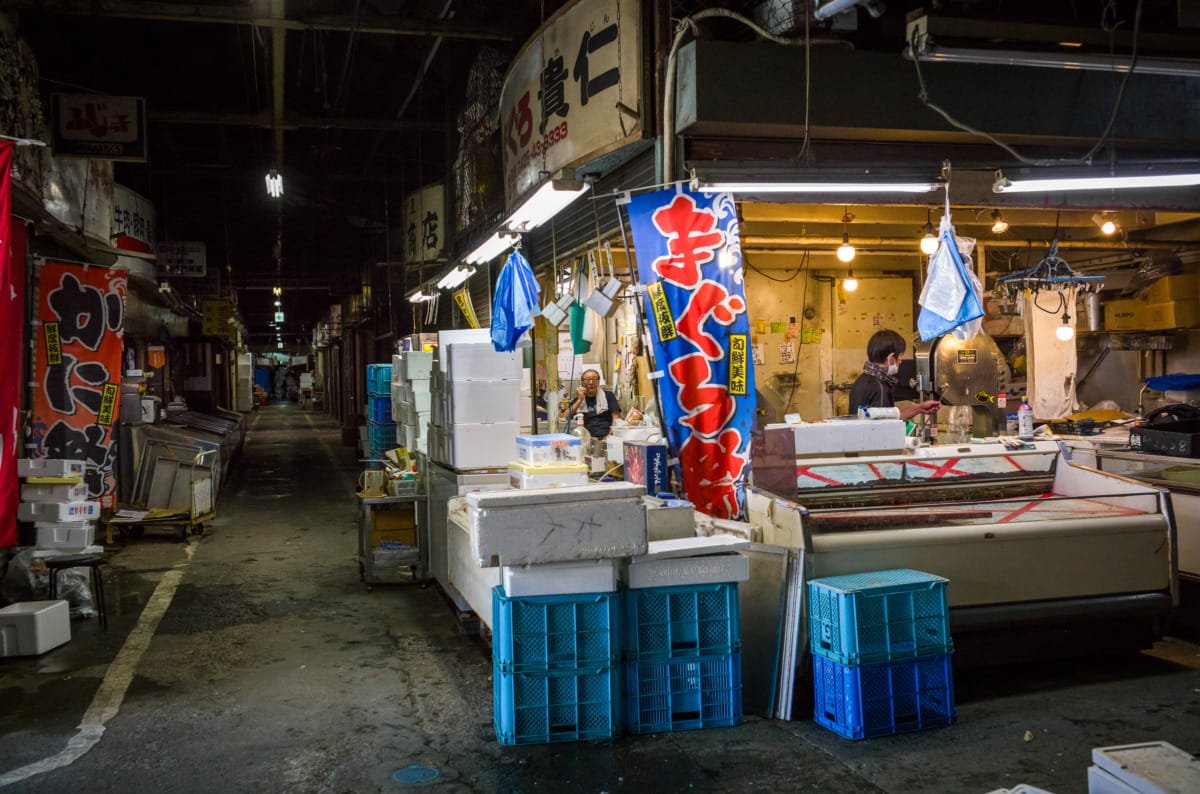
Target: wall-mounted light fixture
{"type": "Point", "coordinates": [731, 180]}
{"type": "Point", "coordinates": [547, 201]}
{"type": "Point", "coordinates": [1084, 181]}
{"type": "Point", "coordinates": [455, 276]}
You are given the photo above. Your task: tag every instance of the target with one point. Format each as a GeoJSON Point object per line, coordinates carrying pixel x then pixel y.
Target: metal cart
{"type": "Point", "coordinates": [381, 564]}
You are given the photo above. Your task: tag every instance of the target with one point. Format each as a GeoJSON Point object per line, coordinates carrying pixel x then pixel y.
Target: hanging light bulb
{"type": "Point", "coordinates": [850, 283]}
{"type": "Point", "coordinates": [929, 243]}
{"type": "Point", "coordinates": [999, 225]}
{"type": "Point", "coordinates": [1106, 222]}
{"type": "Point", "coordinates": [277, 291]}
{"type": "Point", "coordinates": [845, 251]}
{"type": "Point", "coordinates": [1065, 332]}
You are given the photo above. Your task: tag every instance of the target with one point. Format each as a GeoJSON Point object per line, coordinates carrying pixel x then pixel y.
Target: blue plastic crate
{"type": "Point", "coordinates": [381, 436]}
{"type": "Point", "coordinates": [683, 694]}
{"type": "Point", "coordinates": [379, 380]}
{"type": "Point", "coordinates": [883, 616]}
{"type": "Point", "coordinates": [555, 632]}
{"type": "Point", "coordinates": [663, 623]}
{"type": "Point", "coordinates": [379, 409]}
{"type": "Point", "coordinates": [559, 706]}
{"type": "Point", "coordinates": [882, 699]}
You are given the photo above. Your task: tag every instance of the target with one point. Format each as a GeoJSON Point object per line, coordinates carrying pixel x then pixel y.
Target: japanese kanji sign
{"type": "Point", "coordinates": [183, 259]}
{"type": "Point", "coordinates": [99, 127]}
{"type": "Point", "coordinates": [689, 257]}
{"type": "Point", "coordinates": [572, 93]}
{"type": "Point", "coordinates": [77, 372]}
{"type": "Point", "coordinates": [12, 336]}
{"type": "Point", "coordinates": [133, 221]}
{"type": "Point", "coordinates": [424, 224]}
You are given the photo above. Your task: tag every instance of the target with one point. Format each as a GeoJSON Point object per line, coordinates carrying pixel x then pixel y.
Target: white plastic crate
{"type": "Point", "coordinates": [483, 401]}
{"type": "Point", "coordinates": [560, 578]}
{"type": "Point", "coordinates": [1143, 768]}
{"type": "Point", "coordinates": [49, 467]}
{"type": "Point", "coordinates": [66, 536]}
{"type": "Point", "coordinates": [549, 448]}
{"type": "Point", "coordinates": [58, 511]}
{"type": "Point", "coordinates": [30, 628]}
{"type": "Point", "coordinates": [76, 492]}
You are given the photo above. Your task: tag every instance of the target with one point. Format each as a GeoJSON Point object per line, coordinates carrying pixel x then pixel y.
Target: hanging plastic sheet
{"type": "Point", "coordinates": [950, 300]}
{"type": "Point", "coordinates": [515, 303]}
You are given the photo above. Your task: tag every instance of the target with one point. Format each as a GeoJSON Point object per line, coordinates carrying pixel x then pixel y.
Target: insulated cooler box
{"type": "Point", "coordinates": [30, 628]}
{"type": "Point", "coordinates": [599, 521]}
{"type": "Point", "coordinates": [689, 561]}
{"type": "Point", "coordinates": [526, 475]}
{"type": "Point", "coordinates": [58, 511]}
{"type": "Point", "coordinates": [49, 467]}
{"type": "Point", "coordinates": [77, 492]}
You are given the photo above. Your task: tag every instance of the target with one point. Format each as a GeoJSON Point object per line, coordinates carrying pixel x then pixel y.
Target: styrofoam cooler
{"type": "Point", "coordinates": [49, 467]}
{"type": "Point", "coordinates": [560, 578]}
{"type": "Point", "coordinates": [688, 561]}
{"type": "Point", "coordinates": [480, 445]}
{"type": "Point", "coordinates": [597, 521]}
{"type": "Point", "coordinates": [526, 475]}
{"type": "Point", "coordinates": [1142, 767]}
{"type": "Point", "coordinates": [549, 448]}
{"type": "Point", "coordinates": [483, 401]}
{"type": "Point", "coordinates": [66, 536]}
{"type": "Point", "coordinates": [412, 365]}
{"type": "Point", "coordinates": [76, 492]}
{"type": "Point", "coordinates": [479, 361]}
{"type": "Point", "coordinates": [30, 628]}
{"type": "Point", "coordinates": [58, 511]}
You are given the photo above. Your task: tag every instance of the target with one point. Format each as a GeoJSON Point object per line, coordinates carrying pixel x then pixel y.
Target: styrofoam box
{"type": "Point", "coordinates": [560, 578]}
{"type": "Point", "coordinates": [480, 445]}
{"type": "Point", "coordinates": [1144, 768]}
{"type": "Point", "coordinates": [30, 628]}
{"type": "Point", "coordinates": [49, 467]}
{"type": "Point", "coordinates": [480, 362]}
{"type": "Point", "coordinates": [592, 522]}
{"type": "Point", "coordinates": [849, 435]}
{"type": "Point", "coordinates": [420, 401]}
{"type": "Point", "coordinates": [68, 535]}
{"type": "Point", "coordinates": [526, 475]}
{"type": "Point", "coordinates": [709, 569]}
{"type": "Point", "coordinates": [58, 511]}
{"type": "Point", "coordinates": [42, 554]}
{"type": "Point", "coordinates": [411, 365]}
{"type": "Point", "coordinates": [54, 493]}
{"type": "Point", "coordinates": [547, 448]}
{"type": "Point", "coordinates": [483, 401]}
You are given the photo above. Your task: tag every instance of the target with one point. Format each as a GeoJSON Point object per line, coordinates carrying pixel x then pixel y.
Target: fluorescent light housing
{"type": "Point", "coordinates": [829, 182]}
{"type": "Point", "coordinates": [1082, 181]}
{"type": "Point", "coordinates": [419, 295]}
{"type": "Point", "coordinates": [455, 276]}
{"type": "Point", "coordinates": [548, 200]}
{"type": "Point", "coordinates": [931, 52]}
{"type": "Point", "coordinates": [491, 248]}
{"type": "Point", "coordinates": [274, 184]}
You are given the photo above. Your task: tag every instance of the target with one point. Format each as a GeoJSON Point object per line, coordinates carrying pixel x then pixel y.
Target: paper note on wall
{"type": "Point", "coordinates": [760, 353]}
{"type": "Point", "coordinates": [787, 353]}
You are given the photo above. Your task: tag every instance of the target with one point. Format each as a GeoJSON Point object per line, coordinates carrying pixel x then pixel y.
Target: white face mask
{"type": "Point", "coordinates": [893, 369]}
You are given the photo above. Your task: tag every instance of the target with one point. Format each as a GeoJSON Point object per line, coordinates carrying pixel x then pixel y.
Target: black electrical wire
{"type": "Point", "coordinates": [765, 275]}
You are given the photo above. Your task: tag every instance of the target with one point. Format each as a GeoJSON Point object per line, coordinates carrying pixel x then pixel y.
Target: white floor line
{"type": "Point", "coordinates": [111, 694]}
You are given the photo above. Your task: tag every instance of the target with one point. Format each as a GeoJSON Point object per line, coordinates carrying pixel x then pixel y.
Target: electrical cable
{"type": "Point", "coordinates": [766, 275]}
{"type": "Point", "coordinates": [805, 263]}
{"type": "Point", "coordinates": [923, 95]}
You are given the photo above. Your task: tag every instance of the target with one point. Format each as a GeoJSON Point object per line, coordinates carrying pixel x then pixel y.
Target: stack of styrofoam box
{"type": "Point", "coordinates": [475, 393]}
{"type": "Point", "coordinates": [549, 460]}
{"type": "Point", "coordinates": [31, 628]}
{"type": "Point", "coordinates": [525, 401]}
{"type": "Point", "coordinates": [54, 498]}
{"type": "Point", "coordinates": [682, 639]}
{"type": "Point", "coordinates": [556, 615]}
{"type": "Point", "coordinates": [411, 400]}
{"type": "Point", "coordinates": [881, 652]}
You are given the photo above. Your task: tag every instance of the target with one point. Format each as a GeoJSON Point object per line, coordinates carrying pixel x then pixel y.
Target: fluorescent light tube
{"type": "Point", "coordinates": [490, 248]}
{"type": "Point", "coordinates": [815, 187]}
{"type": "Point", "coordinates": [546, 202]}
{"type": "Point", "coordinates": [1068, 183]}
{"type": "Point", "coordinates": [1171, 67]}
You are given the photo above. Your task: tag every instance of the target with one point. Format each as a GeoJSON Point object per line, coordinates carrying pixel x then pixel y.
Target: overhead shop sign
{"type": "Point", "coordinates": [424, 224]}
{"type": "Point", "coordinates": [99, 127]}
{"type": "Point", "coordinates": [183, 259]}
{"type": "Point", "coordinates": [133, 221]}
{"type": "Point", "coordinates": [573, 92]}
{"type": "Point", "coordinates": [215, 318]}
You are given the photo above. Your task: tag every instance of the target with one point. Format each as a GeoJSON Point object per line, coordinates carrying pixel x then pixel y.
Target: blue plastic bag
{"type": "Point", "coordinates": [514, 303]}
{"type": "Point", "coordinates": [947, 264]}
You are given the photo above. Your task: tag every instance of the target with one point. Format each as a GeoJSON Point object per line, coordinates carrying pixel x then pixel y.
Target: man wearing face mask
{"type": "Point", "coordinates": [874, 386]}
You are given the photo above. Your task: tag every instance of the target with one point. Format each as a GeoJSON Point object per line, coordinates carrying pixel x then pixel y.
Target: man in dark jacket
{"type": "Point", "coordinates": [874, 386]}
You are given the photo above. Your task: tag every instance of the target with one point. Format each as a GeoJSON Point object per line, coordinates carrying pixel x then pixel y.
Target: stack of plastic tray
{"type": "Point", "coordinates": [683, 664]}
{"type": "Point", "coordinates": [881, 653]}
{"type": "Point", "coordinates": [555, 667]}
{"type": "Point", "coordinates": [381, 428]}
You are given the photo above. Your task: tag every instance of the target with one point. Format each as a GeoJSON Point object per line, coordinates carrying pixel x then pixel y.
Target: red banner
{"type": "Point", "coordinates": [77, 377]}
{"type": "Point", "coordinates": [12, 318]}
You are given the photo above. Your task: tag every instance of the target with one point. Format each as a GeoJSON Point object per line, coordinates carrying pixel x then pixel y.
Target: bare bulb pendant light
{"type": "Point", "coordinates": [845, 252]}
{"type": "Point", "coordinates": [929, 243]}
{"type": "Point", "coordinates": [1065, 332]}
{"type": "Point", "coordinates": [999, 225]}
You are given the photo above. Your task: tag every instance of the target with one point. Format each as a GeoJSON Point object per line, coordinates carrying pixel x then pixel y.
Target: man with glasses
{"type": "Point", "coordinates": [598, 406]}
{"type": "Point", "coordinates": [874, 386]}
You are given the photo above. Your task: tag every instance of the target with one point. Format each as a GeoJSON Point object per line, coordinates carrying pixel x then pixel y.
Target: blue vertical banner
{"type": "Point", "coordinates": [690, 263]}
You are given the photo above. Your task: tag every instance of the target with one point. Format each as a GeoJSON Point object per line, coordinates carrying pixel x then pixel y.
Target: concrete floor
{"type": "Point", "coordinates": [273, 669]}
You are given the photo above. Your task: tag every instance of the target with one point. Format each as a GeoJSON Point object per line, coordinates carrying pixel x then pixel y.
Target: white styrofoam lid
{"type": "Point", "coordinates": [691, 547]}
{"type": "Point", "coordinates": [549, 496]}
{"type": "Point", "coordinates": [1161, 764]}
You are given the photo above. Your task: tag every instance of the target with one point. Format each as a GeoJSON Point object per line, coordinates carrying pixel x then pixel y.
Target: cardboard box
{"type": "Point", "coordinates": [1125, 315]}
{"type": "Point", "coordinates": [1180, 287]}
{"type": "Point", "coordinates": [34, 627]}
{"type": "Point", "coordinates": [1171, 315]}
{"type": "Point", "coordinates": [397, 516]}
{"type": "Point", "coordinates": [646, 464]}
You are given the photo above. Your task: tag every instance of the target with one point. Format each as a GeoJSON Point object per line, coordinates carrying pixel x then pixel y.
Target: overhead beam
{"type": "Point", "coordinates": [292, 121]}
{"type": "Point", "coordinates": [278, 42]}
{"type": "Point", "coordinates": [231, 15]}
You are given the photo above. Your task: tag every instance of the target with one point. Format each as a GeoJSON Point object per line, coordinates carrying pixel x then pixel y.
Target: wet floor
{"type": "Point", "coordinates": [271, 668]}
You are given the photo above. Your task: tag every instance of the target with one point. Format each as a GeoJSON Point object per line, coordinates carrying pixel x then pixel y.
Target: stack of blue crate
{"type": "Point", "coordinates": [381, 428]}
{"type": "Point", "coordinates": [881, 651]}
{"type": "Point", "coordinates": [683, 662]}
{"type": "Point", "coordinates": [555, 667]}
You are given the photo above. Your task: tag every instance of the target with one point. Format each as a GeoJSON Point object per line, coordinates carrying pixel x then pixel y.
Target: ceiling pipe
{"type": "Point", "coordinates": [797, 244]}
{"type": "Point", "coordinates": [278, 41]}
{"type": "Point", "coordinates": [835, 7]}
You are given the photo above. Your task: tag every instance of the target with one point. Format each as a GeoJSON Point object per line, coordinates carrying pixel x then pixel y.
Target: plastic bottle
{"type": "Point", "coordinates": [580, 432]}
{"type": "Point", "coordinates": [1025, 421]}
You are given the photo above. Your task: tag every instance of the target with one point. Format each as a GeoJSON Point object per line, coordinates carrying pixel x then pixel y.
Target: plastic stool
{"type": "Point", "coordinates": [92, 561]}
